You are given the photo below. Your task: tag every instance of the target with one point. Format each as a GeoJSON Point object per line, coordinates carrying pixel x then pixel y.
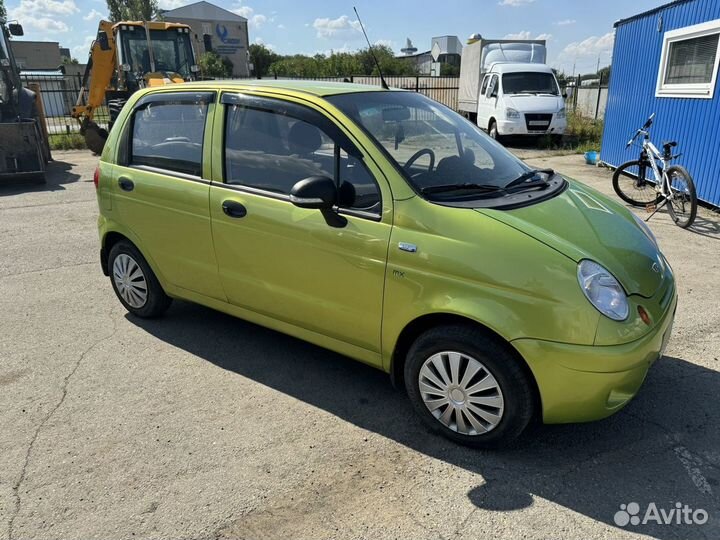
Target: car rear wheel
{"type": "Point", "coordinates": [134, 282]}
{"type": "Point", "coordinates": [468, 387]}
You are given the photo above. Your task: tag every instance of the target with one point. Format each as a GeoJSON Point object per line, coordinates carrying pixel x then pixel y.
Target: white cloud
{"type": "Point", "coordinates": [43, 15]}
{"type": "Point", "coordinates": [593, 46]}
{"type": "Point", "coordinates": [82, 51]}
{"type": "Point", "coordinates": [341, 28]}
{"type": "Point", "coordinates": [566, 22]}
{"type": "Point", "coordinates": [385, 42]}
{"type": "Point", "coordinates": [171, 4]}
{"type": "Point", "coordinates": [281, 26]}
{"type": "Point", "coordinates": [515, 3]}
{"type": "Point", "coordinates": [525, 34]}
{"type": "Point", "coordinates": [255, 20]}
{"type": "Point", "coordinates": [93, 15]}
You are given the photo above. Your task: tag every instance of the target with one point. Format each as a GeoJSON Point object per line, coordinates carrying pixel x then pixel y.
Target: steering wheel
{"type": "Point", "coordinates": [417, 155]}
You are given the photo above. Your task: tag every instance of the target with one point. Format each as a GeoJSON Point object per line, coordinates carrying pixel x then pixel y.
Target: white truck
{"type": "Point", "coordinates": [506, 88]}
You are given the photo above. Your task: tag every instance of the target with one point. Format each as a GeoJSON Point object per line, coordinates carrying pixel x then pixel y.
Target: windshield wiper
{"type": "Point", "coordinates": [484, 188]}
{"type": "Point", "coordinates": [528, 175]}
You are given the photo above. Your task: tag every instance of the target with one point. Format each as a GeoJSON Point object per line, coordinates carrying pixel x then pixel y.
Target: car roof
{"type": "Point", "coordinates": [502, 67]}
{"type": "Point", "coordinates": [317, 88]}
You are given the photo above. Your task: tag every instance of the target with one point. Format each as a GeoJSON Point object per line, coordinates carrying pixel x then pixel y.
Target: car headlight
{"type": "Point", "coordinates": [644, 227]}
{"type": "Point", "coordinates": [603, 290]}
{"type": "Point", "coordinates": [561, 113]}
{"type": "Point", "coordinates": [512, 113]}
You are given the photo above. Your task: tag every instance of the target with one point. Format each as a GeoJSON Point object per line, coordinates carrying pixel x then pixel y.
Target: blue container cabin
{"type": "Point", "coordinates": [666, 61]}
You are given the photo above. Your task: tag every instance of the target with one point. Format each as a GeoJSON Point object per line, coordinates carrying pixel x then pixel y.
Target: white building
{"type": "Point", "coordinates": [216, 29]}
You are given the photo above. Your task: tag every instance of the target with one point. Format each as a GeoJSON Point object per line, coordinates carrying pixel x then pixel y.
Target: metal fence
{"type": "Point", "coordinates": [441, 89]}
{"type": "Point", "coordinates": [59, 94]}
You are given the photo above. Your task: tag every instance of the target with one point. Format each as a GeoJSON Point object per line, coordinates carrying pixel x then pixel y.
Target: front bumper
{"type": "Point", "coordinates": [518, 126]}
{"type": "Point", "coordinates": [580, 383]}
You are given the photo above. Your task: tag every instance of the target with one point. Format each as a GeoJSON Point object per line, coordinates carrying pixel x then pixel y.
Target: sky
{"type": "Point", "coordinates": [578, 32]}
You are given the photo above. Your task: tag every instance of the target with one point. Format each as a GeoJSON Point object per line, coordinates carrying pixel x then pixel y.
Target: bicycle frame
{"type": "Point", "coordinates": [652, 155]}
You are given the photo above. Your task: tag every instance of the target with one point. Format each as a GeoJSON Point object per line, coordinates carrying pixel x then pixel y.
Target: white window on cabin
{"type": "Point", "coordinates": [689, 61]}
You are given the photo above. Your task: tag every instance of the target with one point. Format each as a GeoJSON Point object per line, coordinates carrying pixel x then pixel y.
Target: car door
{"type": "Point", "coordinates": [285, 262]}
{"type": "Point", "coordinates": [483, 103]}
{"type": "Point", "coordinates": [161, 187]}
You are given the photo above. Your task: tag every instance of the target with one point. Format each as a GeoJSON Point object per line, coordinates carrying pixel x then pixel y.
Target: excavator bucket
{"type": "Point", "coordinates": [95, 136]}
{"type": "Point", "coordinates": [21, 152]}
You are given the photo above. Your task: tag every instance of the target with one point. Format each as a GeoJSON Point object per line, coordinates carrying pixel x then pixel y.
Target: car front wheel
{"type": "Point", "coordinates": [468, 387]}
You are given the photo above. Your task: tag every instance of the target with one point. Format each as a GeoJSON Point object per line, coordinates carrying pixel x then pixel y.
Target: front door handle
{"type": "Point", "coordinates": [126, 184]}
{"type": "Point", "coordinates": [234, 209]}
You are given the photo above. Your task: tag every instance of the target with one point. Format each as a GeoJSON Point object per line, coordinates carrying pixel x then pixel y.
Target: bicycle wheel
{"type": "Point", "coordinates": [683, 203]}
{"type": "Point", "coordinates": [632, 185]}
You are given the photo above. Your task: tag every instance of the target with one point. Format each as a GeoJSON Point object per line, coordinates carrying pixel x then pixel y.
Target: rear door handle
{"type": "Point", "coordinates": [126, 184]}
{"type": "Point", "coordinates": [234, 209]}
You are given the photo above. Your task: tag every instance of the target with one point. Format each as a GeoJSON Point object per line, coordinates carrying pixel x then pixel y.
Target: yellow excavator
{"type": "Point", "coordinates": [125, 57]}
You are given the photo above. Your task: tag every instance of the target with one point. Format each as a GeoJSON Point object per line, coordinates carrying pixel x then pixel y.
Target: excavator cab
{"type": "Point", "coordinates": [126, 57]}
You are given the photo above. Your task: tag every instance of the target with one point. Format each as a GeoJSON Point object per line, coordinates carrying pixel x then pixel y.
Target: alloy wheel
{"type": "Point", "coordinates": [130, 281]}
{"type": "Point", "coordinates": [461, 393]}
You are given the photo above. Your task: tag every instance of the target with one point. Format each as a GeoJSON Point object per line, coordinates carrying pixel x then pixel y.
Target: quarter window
{"type": "Point", "coordinates": [169, 134]}
{"type": "Point", "coordinates": [689, 62]}
{"type": "Point", "coordinates": [272, 149]}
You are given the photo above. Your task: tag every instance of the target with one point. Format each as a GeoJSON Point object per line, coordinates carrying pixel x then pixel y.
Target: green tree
{"type": "Point", "coordinates": [342, 64]}
{"type": "Point", "coordinates": [262, 58]}
{"type": "Point", "coordinates": [214, 65]}
{"type": "Point", "coordinates": [133, 10]}
{"type": "Point", "coordinates": [449, 70]}
{"type": "Point", "coordinates": [3, 11]}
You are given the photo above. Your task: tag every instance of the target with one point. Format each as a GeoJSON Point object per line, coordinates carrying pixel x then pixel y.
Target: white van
{"type": "Point", "coordinates": [520, 99]}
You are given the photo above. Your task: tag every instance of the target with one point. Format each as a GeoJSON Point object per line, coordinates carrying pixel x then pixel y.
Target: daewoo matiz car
{"type": "Point", "coordinates": [384, 226]}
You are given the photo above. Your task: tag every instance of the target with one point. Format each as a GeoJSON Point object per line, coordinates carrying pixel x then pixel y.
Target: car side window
{"type": "Point", "coordinates": [486, 80]}
{"type": "Point", "coordinates": [168, 133]}
{"type": "Point", "coordinates": [273, 148]}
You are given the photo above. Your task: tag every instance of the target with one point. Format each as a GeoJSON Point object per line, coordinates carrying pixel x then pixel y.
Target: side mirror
{"type": "Point", "coordinates": [565, 95]}
{"type": "Point", "coordinates": [321, 193]}
{"type": "Point", "coordinates": [102, 39]}
{"type": "Point", "coordinates": [16, 29]}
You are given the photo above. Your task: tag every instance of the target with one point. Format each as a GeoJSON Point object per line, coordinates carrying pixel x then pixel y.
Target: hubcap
{"type": "Point", "coordinates": [461, 393]}
{"type": "Point", "coordinates": [130, 280]}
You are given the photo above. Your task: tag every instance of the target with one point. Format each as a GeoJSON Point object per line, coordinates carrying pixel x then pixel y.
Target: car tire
{"type": "Point", "coordinates": [498, 395]}
{"type": "Point", "coordinates": [134, 282]}
{"type": "Point", "coordinates": [493, 131]}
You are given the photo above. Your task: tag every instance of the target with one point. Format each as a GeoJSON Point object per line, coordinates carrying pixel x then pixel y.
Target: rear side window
{"type": "Point", "coordinates": [168, 131]}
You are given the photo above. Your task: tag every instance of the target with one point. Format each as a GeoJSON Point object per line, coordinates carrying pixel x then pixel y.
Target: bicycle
{"type": "Point", "coordinates": [671, 185]}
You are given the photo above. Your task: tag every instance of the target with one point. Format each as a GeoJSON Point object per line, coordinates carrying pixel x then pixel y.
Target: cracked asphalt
{"type": "Point", "coordinates": [199, 425]}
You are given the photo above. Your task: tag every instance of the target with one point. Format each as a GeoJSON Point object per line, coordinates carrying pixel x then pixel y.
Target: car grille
{"type": "Point", "coordinates": [538, 122]}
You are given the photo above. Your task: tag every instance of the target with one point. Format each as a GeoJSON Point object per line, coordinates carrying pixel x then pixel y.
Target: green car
{"type": "Point", "coordinates": [382, 225]}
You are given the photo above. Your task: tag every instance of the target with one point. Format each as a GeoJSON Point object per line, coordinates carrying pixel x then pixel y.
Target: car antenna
{"type": "Point", "coordinates": [383, 84]}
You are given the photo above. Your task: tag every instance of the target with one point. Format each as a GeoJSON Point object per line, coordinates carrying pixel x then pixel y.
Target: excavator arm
{"type": "Point", "coordinates": [96, 81]}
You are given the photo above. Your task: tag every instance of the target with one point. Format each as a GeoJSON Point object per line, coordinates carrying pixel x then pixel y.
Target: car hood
{"type": "Point", "coordinates": [583, 224]}
{"type": "Point", "coordinates": [534, 104]}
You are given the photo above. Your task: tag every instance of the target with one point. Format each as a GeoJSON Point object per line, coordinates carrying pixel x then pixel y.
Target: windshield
{"type": "Point", "coordinates": [171, 51]}
{"type": "Point", "coordinates": [530, 83]}
{"type": "Point", "coordinates": [431, 144]}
